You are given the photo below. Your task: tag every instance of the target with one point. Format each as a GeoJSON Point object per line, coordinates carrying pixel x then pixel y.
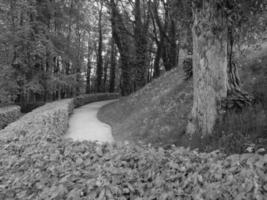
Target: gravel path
{"type": "Point", "coordinates": [84, 124]}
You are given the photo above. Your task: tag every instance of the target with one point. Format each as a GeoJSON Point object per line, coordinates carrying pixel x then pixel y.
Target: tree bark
{"type": "Point", "coordinates": [69, 36]}
{"type": "Point", "coordinates": [112, 67]}
{"type": "Point", "coordinates": [157, 60]}
{"type": "Point", "coordinates": [167, 31]}
{"type": "Point", "coordinates": [88, 70]}
{"type": "Point", "coordinates": [99, 68]}
{"type": "Point", "coordinates": [216, 82]}
{"type": "Point", "coordinates": [123, 42]}
{"type": "Point", "coordinates": [170, 47]}
{"type": "Point", "coordinates": [140, 37]}
{"type": "Point", "coordinates": [210, 64]}
{"type": "Point", "coordinates": [105, 71]}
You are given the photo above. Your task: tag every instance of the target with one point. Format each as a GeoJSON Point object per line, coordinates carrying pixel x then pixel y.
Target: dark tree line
{"type": "Point", "coordinates": [57, 49]}
{"type": "Point", "coordinates": [148, 35]}
{"type": "Point", "coordinates": [52, 49]}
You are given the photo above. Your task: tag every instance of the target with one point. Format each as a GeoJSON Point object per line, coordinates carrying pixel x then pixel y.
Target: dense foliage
{"type": "Point", "coordinates": [47, 50]}
{"type": "Point", "coordinates": [48, 167]}
{"type": "Point", "coordinates": [9, 114]}
{"type": "Point", "coordinates": [89, 98]}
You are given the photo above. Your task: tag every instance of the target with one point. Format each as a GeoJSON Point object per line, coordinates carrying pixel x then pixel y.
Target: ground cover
{"type": "Point", "coordinates": [9, 114]}
{"type": "Point", "coordinates": [50, 167]}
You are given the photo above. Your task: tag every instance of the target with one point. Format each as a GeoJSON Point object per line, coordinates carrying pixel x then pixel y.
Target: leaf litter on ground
{"type": "Point", "coordinates": [51, 167]}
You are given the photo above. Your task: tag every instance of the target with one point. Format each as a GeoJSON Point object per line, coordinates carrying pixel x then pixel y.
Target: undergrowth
{"type": "Point", "coordinates": [236, 131]}
{"type": "Point", "coordinates": [46, 166]}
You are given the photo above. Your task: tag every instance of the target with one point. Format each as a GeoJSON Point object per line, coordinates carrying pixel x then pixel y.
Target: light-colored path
{"type": "Point", "coordinates": [84, 125]}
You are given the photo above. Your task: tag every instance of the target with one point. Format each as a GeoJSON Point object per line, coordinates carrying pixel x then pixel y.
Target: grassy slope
{"type": "Point", "coordinates": [155, 114]}
{"type": "Point", "coordinates": [158, 113]}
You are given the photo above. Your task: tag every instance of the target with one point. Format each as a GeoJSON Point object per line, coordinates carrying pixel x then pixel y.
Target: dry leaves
{"type": "Point", "coordinates": [40, 168]}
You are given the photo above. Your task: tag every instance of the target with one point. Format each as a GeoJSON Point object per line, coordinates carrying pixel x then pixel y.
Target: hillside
{"type": "Point", "coordinates": [158, 113]}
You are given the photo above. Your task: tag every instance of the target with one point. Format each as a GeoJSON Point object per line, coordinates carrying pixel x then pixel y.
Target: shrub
{"type": "Point", "coordinates": [52, 117]}
{"type": "Point", "coordinates": [8, 85]}
{"type": "Point", "coordinates": [28, 107]}
{"type": "Point", "coordinates": [89, 98]}
{"type": "Point", "coordinates": [9, 114]}
{"type": "Point", "coordinates": [237, 130]}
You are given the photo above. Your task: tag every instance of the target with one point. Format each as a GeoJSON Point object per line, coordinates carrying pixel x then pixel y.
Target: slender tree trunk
{"type": "Point", "coordinates": [99, 68]}
{"type": "Point", "coordinates": [112, 67]}
{"type": "Point", "coordinates": [105, 71]}
{"type": "Point", "coordinates": [88, 71]}
{"type": "Point", "coordinates": [78, 64]}
{"type": "Point", "coordinates": [88, 77]}
{"type": "Point", "coordinates": [68, 62]}
{"type": "Point", "coordinates": [157, 61]}
{"type": "Point", "coordinates": [13, 30]}
{"type": "Point", "coordinates": [173, 45]}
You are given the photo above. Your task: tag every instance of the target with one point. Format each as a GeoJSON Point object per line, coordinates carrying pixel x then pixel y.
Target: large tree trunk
{"type": "Point", "coordinates": [123, 42]}
{"type": "Point", "coordinates": [170, 47]}
{"type": "Point", "coordinates": [140, 37]}
{"type": "Point", "coordinates": [216, 81]}
{"type": "Point", "coordinates": [210, 64]}
{"type": "Point", "coordinates": [167, 31]}
{"type": "Point", "coordinates": [158, 40]}
{"type": "Point", "coordinates": [125, 86]}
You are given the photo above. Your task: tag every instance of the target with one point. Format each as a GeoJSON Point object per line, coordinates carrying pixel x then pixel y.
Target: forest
{"type": "Point", "coordinates": [55, 49]}
{"type": "Point", "coordinates": [190, 79]}
{"type": "Point", "coordinates": [59, 49]}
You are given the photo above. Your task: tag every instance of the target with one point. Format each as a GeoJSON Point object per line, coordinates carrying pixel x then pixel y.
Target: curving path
{"type": "Point", "coordinates": [84, 124]}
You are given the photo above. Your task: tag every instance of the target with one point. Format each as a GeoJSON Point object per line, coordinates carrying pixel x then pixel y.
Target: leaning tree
{"type": "Point", "coordinates": [217, 23]}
